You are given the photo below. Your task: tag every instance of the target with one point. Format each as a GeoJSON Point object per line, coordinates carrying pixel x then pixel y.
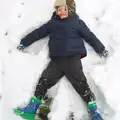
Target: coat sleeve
{"type": "Point", "coordinates": [90, 38]}
{"type": "Point", "coordinates": [35, 35]}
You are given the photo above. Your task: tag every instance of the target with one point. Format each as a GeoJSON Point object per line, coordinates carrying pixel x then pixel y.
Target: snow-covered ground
{"type": "Point", "coordinates": [19, 72]}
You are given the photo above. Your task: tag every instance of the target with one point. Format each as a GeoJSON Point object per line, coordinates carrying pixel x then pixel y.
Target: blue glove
{"type": "Point", "coordinates": [21, 47]}
{"type": "Point", "coordinates": [104, 54]}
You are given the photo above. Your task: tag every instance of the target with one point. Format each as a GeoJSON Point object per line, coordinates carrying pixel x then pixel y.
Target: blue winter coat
{"type": "Point", "coordinates": [66, 37]}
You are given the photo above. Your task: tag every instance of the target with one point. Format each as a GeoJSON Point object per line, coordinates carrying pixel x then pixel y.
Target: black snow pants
{"type": "Point", "coordinates": [71, 67]}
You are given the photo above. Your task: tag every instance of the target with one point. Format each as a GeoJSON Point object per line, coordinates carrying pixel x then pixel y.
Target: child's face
{"type": "Point", "coordinates": [62, 11]}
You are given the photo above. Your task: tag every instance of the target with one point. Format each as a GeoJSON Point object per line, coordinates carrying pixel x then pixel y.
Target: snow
{"type": "Point", "coordinates": [19, 72]}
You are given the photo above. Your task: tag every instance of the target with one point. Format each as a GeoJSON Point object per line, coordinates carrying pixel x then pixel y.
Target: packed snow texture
{"type": "Point", "coordinates": [19, 72]}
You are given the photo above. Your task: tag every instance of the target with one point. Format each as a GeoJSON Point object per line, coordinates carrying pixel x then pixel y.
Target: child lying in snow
{"type": "Point", "coordinates": [66, 48]}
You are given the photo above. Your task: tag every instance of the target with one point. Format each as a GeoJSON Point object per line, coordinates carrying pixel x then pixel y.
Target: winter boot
{"type": "Point", "coordinates": [95, 114]}
{"type": "Point", "coordinates": [29, 111]}
{"type": "Point", "coordinates": [44, 108]}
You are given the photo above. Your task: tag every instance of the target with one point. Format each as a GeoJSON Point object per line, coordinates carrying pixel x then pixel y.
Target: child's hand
{"type": "Point", "coordinates": [21, 47]}
{"type": "Point", "coordinates": [104, 54]}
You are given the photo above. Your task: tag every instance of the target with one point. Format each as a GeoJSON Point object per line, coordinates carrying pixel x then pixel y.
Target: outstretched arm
{"type": "Point", "coordinates": [90, 38]}
{"type": "Point", "coordinates": [35, 35]}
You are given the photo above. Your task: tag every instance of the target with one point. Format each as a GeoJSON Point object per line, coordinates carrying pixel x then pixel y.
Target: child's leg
{"type": "Point", "coordinates": [75, 75]}
{"type": "Point", "coordinates": [49, 78]}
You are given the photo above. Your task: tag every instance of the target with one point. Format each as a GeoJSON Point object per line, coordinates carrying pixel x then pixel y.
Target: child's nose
{"type": "Point", "coordinates": [63, 11]}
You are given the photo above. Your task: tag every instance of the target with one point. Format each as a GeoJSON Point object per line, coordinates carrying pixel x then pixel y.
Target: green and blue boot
{"type": "Point", "coordinates": [29, 112]}
{"type": "Point", "coordinates": [95, 114]}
